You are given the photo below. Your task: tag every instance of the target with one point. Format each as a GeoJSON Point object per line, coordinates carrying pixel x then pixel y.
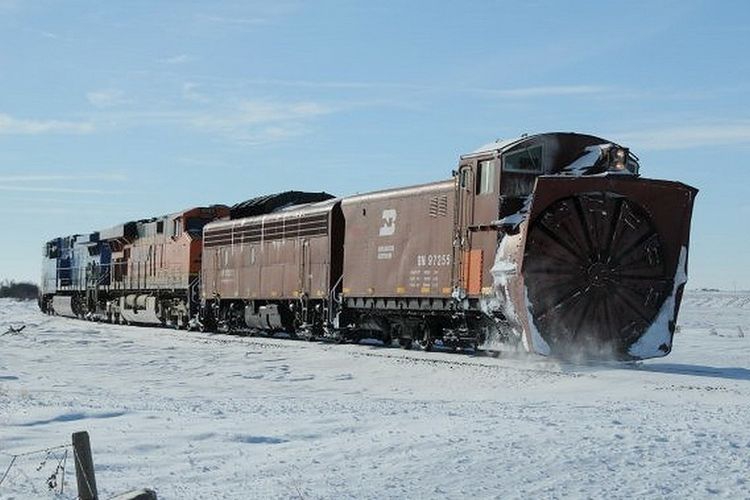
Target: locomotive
{"type": "Point", "coordinates": [552, 242]}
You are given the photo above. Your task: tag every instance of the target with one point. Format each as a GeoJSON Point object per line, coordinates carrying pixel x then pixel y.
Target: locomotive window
{"type": "Point", "coordinates": [465, 172]}
{"type": "Point", "coordinates": [52, 251]}
{"type": "Point", "coordinates": [160, 227]}
{"type": "Point", "coordinates": [177, 227]}
{"type": "Point", "coordinates": [486, 175]}
{"type": "Point", "coordinates": [527, 160]}
{"type": "Point", "coordinates": [195, 225]}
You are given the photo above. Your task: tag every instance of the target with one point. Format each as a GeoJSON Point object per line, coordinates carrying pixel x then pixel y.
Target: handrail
{"type": "Point", "coordinates": [172, 276]}
{"type": "Point", "coordinates": [193, 290]}
{"type": "Point", "coordinates": [332, 298]}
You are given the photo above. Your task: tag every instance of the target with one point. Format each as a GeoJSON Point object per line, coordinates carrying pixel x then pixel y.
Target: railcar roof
{"type": "Point", "coordinates": [399, 191]}
{"type": "Point", "coordinates": [503, 145]}
{"type": "Point", "coordinates": [320, 207]}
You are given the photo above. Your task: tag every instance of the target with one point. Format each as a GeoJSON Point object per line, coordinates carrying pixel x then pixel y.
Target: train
{"type": "Point", "coordinates": [552, 243]}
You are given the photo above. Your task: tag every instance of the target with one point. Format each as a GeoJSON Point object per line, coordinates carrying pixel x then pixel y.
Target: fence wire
{"type": "Point", "coordinates": [40, 472]}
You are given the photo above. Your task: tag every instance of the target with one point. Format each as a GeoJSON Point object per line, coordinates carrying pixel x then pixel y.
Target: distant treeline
{"type": "Point", "coordinates": [22, 291]}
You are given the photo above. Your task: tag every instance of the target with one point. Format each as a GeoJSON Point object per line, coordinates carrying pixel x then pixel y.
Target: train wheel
{"type": "Point", "coordinates": [426, 341]}
{"type": "Point", "coordinates": [387, 339]}
{"type": "Point", "coordinates": [404, 338]}
{"type": "Point", "coordinates": [477, 343]}
{"type": "Point", "coordinates": [426, 344]}
{"type": "Point", "coordinates": [305, 334]}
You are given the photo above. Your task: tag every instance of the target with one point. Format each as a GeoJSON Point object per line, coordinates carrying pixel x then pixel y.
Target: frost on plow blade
{"type": "Point", "coordinates": [657, 341]}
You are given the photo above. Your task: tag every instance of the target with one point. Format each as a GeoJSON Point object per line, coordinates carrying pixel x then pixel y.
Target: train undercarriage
{"type": "Point", "coordinates": [432, 323]}
{"type": "Point", "coordinates": [164, 308]}
{"type": "Point", "coordinates": [438, 324]}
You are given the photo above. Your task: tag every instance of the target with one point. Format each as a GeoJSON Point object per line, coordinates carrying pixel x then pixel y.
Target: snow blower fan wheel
{"type": "Point", "coordinates": [594, 272]}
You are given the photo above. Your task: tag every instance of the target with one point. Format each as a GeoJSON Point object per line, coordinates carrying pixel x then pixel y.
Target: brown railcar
{"type": "Point", "coordinates": [399, 243]}
{"type": "Point", "coordinates": [276, 271]}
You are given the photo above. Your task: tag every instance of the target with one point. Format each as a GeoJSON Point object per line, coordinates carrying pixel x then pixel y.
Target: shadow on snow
{"type": "Point", "coordinates": [697, 370]}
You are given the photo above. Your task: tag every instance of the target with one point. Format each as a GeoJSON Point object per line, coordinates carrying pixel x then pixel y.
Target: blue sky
{"type": "Point", "coordinates": [111, 111]}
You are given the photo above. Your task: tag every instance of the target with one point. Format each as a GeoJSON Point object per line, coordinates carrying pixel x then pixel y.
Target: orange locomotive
{"type": "Point", "coordinates": [149, 276]}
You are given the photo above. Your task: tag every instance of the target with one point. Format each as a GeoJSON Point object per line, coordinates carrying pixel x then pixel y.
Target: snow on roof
{"type": "Point", "coordinates": [588, 160]}
{"type": "Point", "coordinates": [500, 144]}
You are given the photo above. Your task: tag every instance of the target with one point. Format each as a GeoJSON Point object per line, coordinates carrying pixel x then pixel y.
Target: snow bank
{"type": "Point", "coordinates": [195, 415]}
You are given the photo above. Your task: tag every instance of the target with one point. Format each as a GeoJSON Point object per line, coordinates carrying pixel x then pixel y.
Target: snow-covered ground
{"type": "Point", "coordinates": [200, 416]}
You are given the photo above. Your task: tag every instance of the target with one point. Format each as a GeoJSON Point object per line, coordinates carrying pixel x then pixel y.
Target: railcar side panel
{"type": "Point", "coordinates": [280, 256]}
{"type": "Point", "coordinates": [399, 243]}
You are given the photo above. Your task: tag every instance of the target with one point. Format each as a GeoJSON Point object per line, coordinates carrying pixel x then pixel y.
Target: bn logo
{"type": "Point", "coordinates": [389, 222]}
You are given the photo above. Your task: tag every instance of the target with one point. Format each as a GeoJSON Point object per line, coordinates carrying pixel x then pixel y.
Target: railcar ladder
{"type": "Point", "coordinates": [93, 280]}
{"type": "Point", "coordinates": [193, 298]}
{"type": "Point", "coordinates": [333, 300]}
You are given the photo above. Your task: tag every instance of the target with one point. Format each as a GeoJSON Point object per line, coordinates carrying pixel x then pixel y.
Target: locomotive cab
{"type": "Point", "coordinates": [586, 257]}
{"type": "Point", "coordinates": [498, 177]}
{"type": "Point", "coordinates": [495, 183]}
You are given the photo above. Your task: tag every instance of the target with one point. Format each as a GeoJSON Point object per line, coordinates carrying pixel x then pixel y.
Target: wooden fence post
{"type": "Point", "coordinates": [84, 467]}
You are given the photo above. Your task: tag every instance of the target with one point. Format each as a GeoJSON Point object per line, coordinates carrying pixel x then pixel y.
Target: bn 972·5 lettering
{"type": "Point", "coordinates": [433, 260]}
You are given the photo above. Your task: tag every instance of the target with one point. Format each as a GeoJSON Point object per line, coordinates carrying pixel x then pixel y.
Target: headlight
{"type": "Point", "coordinates": [618, 159]}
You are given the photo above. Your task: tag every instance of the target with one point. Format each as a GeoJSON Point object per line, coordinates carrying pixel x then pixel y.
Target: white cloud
{"type": "Point", "coordinates": [16, 126]}
{"type": "Point", "coordinates": [689, 136]}
{"type": "Point", "coordinates": [75, 201]}
{"type": "Point", "coordinates": [20, 210]}
{"type": "Point", "coordinates": [204, 162]}
{"type": "Point", "coordinates": [548, 91]}
{"type": "Point", "coordinates": [190, 93]}
{"type": "Point", "coordinates": [59, 177]}
{"type": "Point", "coordinates": [44, 189]}
{"type": "Point", "coordinates": [240, 21]}
{"type": "Point", "coordinates": [106, 98]}
{"type": "Point", "coordinates": [55, 183]}
{"type": "Point", "coordinates": [519, 92]}
{"type": "Point", "coordinates": [261, 122]}
{"type": "Point", "coordinates": [337, 84]}
{"type": "Point", "coordinates": [268, 135]}
{"type": "Point", "coordinates": [178, 59]}
{"type": "Point", "coordinates": [266, 112]}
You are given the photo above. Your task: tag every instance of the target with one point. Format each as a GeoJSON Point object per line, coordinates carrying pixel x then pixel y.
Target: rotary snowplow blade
{"type": "Point", "coordinates": [603, 264]}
